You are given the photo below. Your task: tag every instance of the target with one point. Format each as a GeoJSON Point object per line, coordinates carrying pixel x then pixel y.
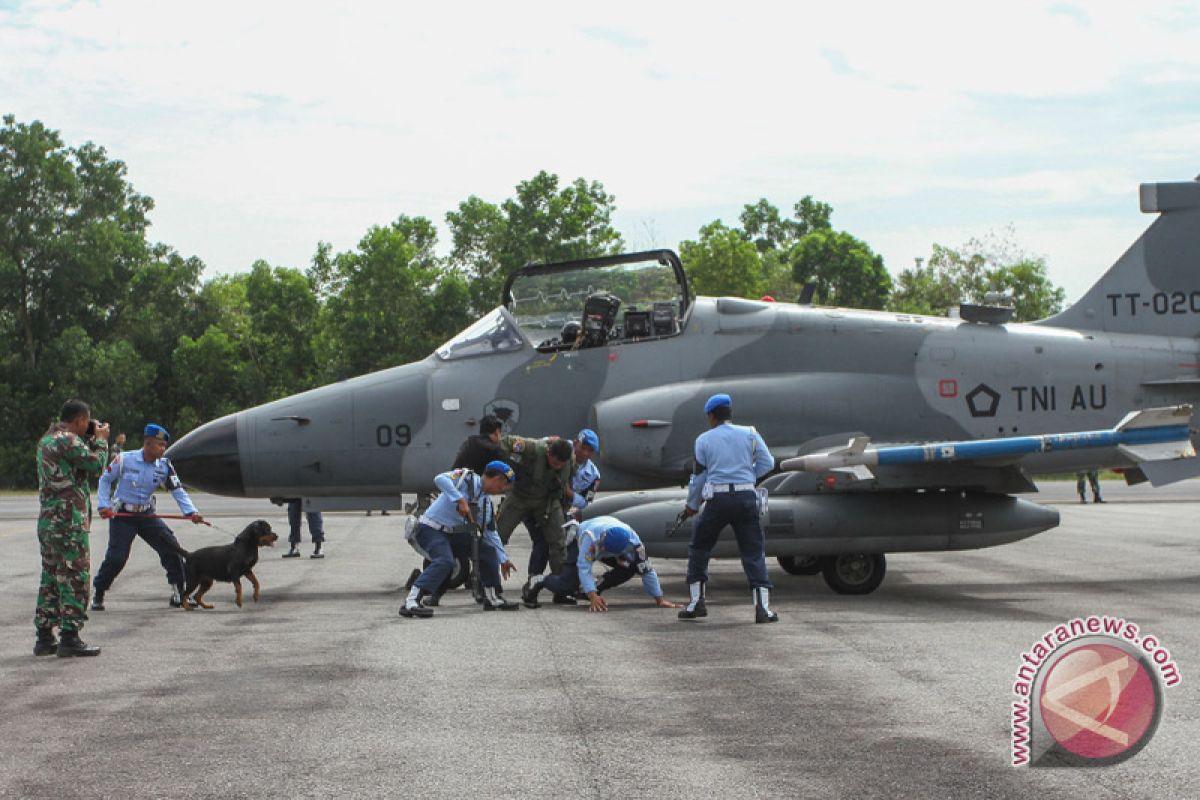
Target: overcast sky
{"type": "Point", "coordinates": [262, 128]}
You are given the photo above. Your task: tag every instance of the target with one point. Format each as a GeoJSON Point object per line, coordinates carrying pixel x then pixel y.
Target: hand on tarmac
{"type": "Point", "coordinates": [507, 568]}
{"type": "Point", "coordinates": [663, 602]}
{"type": "Point", "coordinates": [598, 602]}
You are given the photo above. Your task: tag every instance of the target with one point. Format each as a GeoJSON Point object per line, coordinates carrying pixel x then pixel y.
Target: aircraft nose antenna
{"type": "Point", "coordinates": [208, 459]}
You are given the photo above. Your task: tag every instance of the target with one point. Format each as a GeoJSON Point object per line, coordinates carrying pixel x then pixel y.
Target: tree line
{"type": "Point", "coordinates": [91, 307]}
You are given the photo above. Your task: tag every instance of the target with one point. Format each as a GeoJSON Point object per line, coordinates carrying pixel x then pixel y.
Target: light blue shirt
{"type": "Point", "coordinates": [585, 475]}
{"type": "Point", "coordinates": [137, 480]}
{"type": "Point", "coordinates": [590, 552]}
{"type": "Point", "coordinates": [726, 454]}
{"type": "Point", "coordinates": [454, 486]}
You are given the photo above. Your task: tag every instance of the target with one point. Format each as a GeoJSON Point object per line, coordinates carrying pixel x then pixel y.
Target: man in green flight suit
{"type": "Point", "coordinates": [542, 487]}
{"type": "Point", "coordinates": [73, 451]}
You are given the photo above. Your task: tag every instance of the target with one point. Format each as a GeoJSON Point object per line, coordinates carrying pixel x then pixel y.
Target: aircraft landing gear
{"type": "Point", "coordinates": [800, 565]}
{"type": "Point", "coordinates": [854, 573]}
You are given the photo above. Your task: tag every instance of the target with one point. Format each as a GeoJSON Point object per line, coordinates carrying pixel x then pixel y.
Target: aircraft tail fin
{"type": "Point", "coordinates": [1154, 288]}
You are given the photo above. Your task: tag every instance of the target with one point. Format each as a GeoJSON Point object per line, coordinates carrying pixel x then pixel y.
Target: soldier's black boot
{"type": "Point", "coordinates": [293, 551]}
{"type": "Point", "coordinates": [696, 608]}
{"type": "Point", "coordinates": [71, 645]}
{"type": "Point", "coordinates": [176, 596]}
{"type": "Point", "coordinates": [762, 606]}
{"type": "Point", "coordinates": [98, 600]}
{"type": "Point", "coordinates": [566, 600]}
{"type": "Point", "coordinates": [46, 644]}
{"type": "Point", "coordinates": [492, 601]}
{"type": "Point", "coordinates": [530, 591]}
{"type": "Point", "coordinates": [316, 553]}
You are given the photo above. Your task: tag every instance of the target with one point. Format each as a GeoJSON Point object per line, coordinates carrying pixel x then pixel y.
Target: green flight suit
{"type": "Point", "coordinates": [538, 490]}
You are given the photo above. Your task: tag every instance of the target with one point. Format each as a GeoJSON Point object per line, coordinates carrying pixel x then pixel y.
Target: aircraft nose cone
{"type": "Point", "coordinates": [207, 458]}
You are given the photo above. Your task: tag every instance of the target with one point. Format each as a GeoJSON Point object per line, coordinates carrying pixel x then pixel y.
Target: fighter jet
{"type": "Point", "coordinates": [619, 344]}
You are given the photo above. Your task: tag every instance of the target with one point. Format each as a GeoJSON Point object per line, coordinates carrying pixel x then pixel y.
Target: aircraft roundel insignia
{"type": "Point", "coordinates": [983, 401]}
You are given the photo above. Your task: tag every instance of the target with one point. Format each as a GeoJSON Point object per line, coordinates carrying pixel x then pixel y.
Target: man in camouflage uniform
{"type": "Point", "coordinates": [542, 486]}
{"type": "Point", "coordinates": [68, 457]}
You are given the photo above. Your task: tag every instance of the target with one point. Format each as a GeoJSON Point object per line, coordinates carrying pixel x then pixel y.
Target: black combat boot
{"type": "Point", "coordinates": [316, 553]}
{"type": "Point", "coordinates": [176, 596]}
{"type": "Point", "coordinates": [293, 551]}
{"type": "Point", "coordinates": [98, 600]}
{"type": "Point", "coordinates": [46, 644]}
{"type": "Point", "coordinates": [412, 607]}
{"type": "Point", "coordinates": [696, 608]}
{"type": "Point", "coordinates": [492, 601]}
{"type": "Point", "coordinates": [71, 645]}
{"type": "Point", "coordinates": [529, 592]}
{"type": "Point", "coordinates": [762, 606]}
{"type": "Point", "coordinates": [566, 600]}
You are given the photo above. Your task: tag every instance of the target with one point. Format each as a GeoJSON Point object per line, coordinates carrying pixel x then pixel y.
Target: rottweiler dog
{"type": "Point", "coordinates": [228, 562]}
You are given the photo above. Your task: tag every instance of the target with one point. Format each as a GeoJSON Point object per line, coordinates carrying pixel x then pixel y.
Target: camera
{"type": "Point", "coordinates": [91, 431]}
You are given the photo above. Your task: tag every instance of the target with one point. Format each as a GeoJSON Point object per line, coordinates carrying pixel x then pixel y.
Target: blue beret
{"type": "Point", "coordinates": [716, 401]}
{"type": "Point", "coordinates": [153, 431]}
{"type": "Point", "coordinates": [503, 468]}
{"type": "Point", "coordinates": [589, 437]}
{"type": "Point", "coordinates": [617, 538]}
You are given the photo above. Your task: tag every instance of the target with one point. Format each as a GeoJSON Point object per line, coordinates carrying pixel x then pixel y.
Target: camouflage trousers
{"type": "Point", "coordinates": [66, 569]}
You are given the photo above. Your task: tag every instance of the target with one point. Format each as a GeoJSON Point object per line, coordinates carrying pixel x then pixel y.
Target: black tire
{"type": "Point", "coordinates": [854, 573]}
{"type": "Point", "coordinates": [461, 576]}
{"type": "Point", "coordinates": [800, 565]}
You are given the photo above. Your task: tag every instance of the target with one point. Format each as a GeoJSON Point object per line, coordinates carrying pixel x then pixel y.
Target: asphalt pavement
{"type": "Point", "coordinates": [321, 690]}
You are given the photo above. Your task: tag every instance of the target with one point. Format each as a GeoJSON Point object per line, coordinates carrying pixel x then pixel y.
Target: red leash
{"type": "Point", "coordinates": [158, 516]}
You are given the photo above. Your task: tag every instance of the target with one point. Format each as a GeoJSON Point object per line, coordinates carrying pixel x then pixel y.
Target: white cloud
{"type": "Point", "coordinates": [262, 128]}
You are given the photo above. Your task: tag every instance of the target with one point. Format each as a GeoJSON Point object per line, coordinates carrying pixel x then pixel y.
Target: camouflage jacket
{"type": "Point", "coordinates": [65, 464]}
{"type": "Point", "coordinates": [535, 479]}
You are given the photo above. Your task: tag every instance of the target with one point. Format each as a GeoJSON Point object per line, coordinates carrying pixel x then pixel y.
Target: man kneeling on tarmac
{"type": "Point", "coordinates": [601, 539]}
{"type": "Point", "coordinates": [462, 504]}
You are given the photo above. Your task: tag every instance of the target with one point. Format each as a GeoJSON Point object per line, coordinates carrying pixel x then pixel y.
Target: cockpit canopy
{"type": "Point", "coordinates": [600, 301]}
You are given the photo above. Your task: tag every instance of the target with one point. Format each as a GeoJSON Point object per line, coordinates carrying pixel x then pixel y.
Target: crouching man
{"type": "Point", "coordinates": [464, 501]}
{"type": "Point", "coordinates": [598, 539]}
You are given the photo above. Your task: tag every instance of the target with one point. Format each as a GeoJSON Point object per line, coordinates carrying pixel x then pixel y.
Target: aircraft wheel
{"type": "Point", "coordinates": [461, 575]}
{"type": "Point", "coordinates": [800, 565]}
{"type": "Point", "coordinates": [854, 573]}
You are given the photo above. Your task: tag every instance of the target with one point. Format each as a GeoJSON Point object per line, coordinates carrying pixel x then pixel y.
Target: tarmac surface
{"type": "Point", "coordinates": [321, 690]}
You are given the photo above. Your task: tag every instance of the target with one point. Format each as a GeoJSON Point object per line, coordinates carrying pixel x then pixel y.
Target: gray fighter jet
{"type": "Point", "coordinates": [620, 345]}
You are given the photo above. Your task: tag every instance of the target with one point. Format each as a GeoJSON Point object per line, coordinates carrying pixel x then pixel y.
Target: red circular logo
{"type": "Point", "coordinates": [1099, 702]}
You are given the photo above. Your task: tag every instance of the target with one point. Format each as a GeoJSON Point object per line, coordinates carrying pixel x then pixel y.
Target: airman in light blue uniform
{"type": "Point", "coordinates": [138, 474]}
{"type": "Point", "coordinates": [464, 501]}
{"type": "Point", "coordinates": [730, 459]}
{"type": "Point", "coordinates": [605, 539]}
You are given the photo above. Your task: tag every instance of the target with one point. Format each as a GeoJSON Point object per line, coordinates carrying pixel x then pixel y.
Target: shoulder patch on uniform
{"type": "Point", "coordinates": [518, 446]}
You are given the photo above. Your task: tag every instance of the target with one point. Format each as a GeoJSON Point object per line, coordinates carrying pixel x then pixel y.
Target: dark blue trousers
{"type": "Point", "coordinates": [567, 580]}
{"type": "Point", "coordinates": [740, 511]}
{"type": "Point", "coordinates": [121, 532]}
{"type": "Point", "coordinates": [539, 551]}
{"type": "Point", "coordinates": [316, 524]}
{"type": "Point", "coordinates": [441, 560]}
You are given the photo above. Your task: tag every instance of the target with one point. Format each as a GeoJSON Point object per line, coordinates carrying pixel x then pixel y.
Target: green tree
{"type": "Point", "coordinates": [283, 309]}
{"type": "Point", "coordinates": [845, 269]}
{"type": "Point", "coordinates": [542, 223]}
{"type": "Point", "coordinates": [723, 263]}
{"type": "Point", "coordinates": [389, 302]}
{"type": "Point", "coordinates": [969, 273]}
{"type": "Point", "coordinates": [73, 233]}
{"type": "Point", "coordinates": [763, 224]}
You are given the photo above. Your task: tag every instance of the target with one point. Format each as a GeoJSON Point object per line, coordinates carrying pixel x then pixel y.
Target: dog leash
{"type": "Point", "coordinates": [159, 516]}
